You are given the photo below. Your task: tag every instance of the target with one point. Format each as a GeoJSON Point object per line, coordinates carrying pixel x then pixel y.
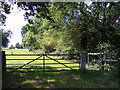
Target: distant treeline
{"type": "Point", "coordinates": [18, 46]}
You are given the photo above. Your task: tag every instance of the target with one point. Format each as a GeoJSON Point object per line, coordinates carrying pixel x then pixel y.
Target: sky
{"type": "Point", "coordinates": [14, 22]}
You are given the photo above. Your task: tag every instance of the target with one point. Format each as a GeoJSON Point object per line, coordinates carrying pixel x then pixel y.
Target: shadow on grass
{"type": "Point", "coordinates": [66, 79]}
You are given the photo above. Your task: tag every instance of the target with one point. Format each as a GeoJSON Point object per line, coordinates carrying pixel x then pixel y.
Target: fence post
{"type": "Point", "coordinates": [88, 60]}
{"type": "Point", "coordinates": [83, 61]}
{"type": "Point", "coordinates": [100, 63]}
{"type": "Point", "coordinates": [3, 62]}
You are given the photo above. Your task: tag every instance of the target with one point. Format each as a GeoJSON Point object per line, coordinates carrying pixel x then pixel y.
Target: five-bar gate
{"type": "Point", "coordinates": [42, 62]}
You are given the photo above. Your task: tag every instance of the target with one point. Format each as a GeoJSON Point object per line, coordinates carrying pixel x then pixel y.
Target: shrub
{"type": "Point", "coordinates": [113, 74]}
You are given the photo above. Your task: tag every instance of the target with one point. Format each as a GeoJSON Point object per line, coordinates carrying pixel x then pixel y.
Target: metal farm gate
{"type": "Point", "coordinates": [42, 62]}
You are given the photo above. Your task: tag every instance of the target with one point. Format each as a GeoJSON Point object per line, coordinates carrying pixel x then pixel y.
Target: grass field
{"type": "Point", "coordinates": [66, 79]}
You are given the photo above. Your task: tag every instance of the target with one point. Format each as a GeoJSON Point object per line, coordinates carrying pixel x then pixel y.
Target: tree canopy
{"type": "Point", "coordinates": [5, 35]}
{"type": "Point", "coordinates": [74, 27]}
{"type": "Point", "coordinates": [4, 9]}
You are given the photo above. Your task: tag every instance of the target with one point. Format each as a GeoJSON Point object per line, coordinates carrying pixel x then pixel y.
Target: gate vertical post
{"type": "Point", "coordinates": [3, 62]}
{"type": "Point", "coordinates": [79, 61]}
{"type": "Point", "coordinates": [83, 61]}
{"type": "Point", "coordinates": [0, 70]}
{"type": "Point", "coordinates": [43, 62]}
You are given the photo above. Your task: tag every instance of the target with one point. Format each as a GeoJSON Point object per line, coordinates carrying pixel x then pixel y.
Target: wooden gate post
{"type": "Point", "coordinates": [43, 62]}
{"type": "Point", "coordinates": [83, 61]}
{"type": "Point", "coordinates": [3, 62]}
{"type": "Point", "coordinates": [0, 70]}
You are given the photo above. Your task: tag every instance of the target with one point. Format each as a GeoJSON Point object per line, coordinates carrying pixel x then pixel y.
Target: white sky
{"type": "Point", "coordinates": [14, 22]}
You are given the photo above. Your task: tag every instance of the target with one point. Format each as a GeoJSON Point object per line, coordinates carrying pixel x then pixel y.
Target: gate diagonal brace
{"type": "Point", "coordinates": [26, 64]}
{"type": "Point", "coordinates": [59, 62]}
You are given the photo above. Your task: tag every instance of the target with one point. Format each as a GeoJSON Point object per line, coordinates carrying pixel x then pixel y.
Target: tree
{"type": "Point", "coordinates": [76, 26]}
{"type": "Point", "coordinates": [11, 47]}
{"type": "Point", "coordinates": [18, 45]}
{"type": "Point", "coordinates": [37, 9]}
{"type": "Point", "coordinates": [4, 9]}
{"type": "Point", "coordinates": [32, 33]}
{"type": "Point", "coordinates": [5, 35]}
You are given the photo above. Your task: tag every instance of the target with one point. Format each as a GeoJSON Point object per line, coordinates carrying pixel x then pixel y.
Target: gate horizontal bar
{"type": "Point", "coordinates": [22, 54]}
{"type": "Point", "coordinates": [60, 54]}
{"type": "Point", "coordinates": [57, 63]}
{"type": "Point", "coordinates": [23, 59]}
{"type": "Point", "coordinates": [39, 54]}
{"type": "Point", "coordinates": [42, 64]}
{"type": "Point", "coordinates": [45, 59]}
{"type": "Point", "coordinates": [107, 60]}
{"type": "Point", "coordinates": [41, 68]}
{"type": "Point", "coordinates": [107, 66]}
{"type": "Point", "coordinates": [24, 68]}
{"type": "Point", "coordinates": [42, 71]}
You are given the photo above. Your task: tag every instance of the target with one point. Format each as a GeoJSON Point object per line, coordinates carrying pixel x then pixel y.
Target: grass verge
{"type": "Point", "coordinates": [68, 79]}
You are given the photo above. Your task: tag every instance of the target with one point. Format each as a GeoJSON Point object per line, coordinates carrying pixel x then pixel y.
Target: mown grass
{"type": "Point", "coordinates": [66, 79]}
{"type": "Point", "coordinates": [17, 51]}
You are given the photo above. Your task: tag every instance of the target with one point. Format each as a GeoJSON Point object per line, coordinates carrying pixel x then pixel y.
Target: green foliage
{"type": "Point", "coordinates": [19, 46]}
{"type": "Point", "coordinates": [37, 9]}
{"type": "Point", "coordinates": [5, 37]}
{"type": "Point", "coordinates": [113, 74]}
{"type": "Point", "coordinates": [32, 34]}
{"type": "Point", "coordinates": [11, 47]}
{"type": "Point", "coordinates": [107, 49]}
{"type": "Point", "coordinates": [4, 9]}
{"type": "Point", "coordinates": [48, 44]}
{"type": "Point", "coordinates": [74, 27]}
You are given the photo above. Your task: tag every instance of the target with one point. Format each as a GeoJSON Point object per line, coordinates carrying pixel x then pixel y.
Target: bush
{"type": "Point", "coordinates": [113, 74]}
